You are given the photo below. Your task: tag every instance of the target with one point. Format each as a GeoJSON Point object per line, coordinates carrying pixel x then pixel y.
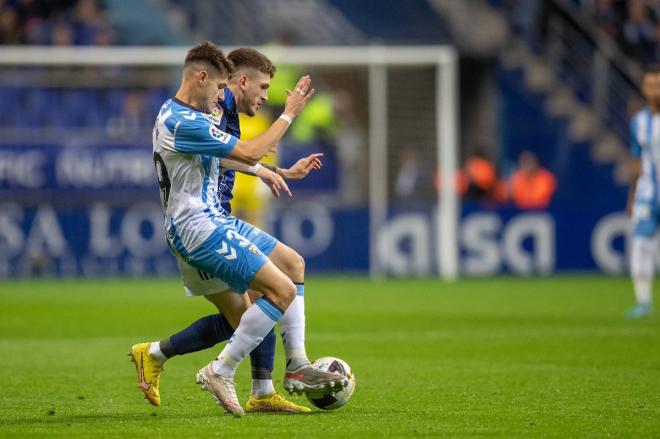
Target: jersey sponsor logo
{"type": "Point", "coordinates": [220, 136]}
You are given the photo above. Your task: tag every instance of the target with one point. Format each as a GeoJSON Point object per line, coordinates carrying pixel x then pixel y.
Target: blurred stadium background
{"type": "Point", "coordinates": [81, 81]}
{"type": "Point", "coordinates": [462, 138]}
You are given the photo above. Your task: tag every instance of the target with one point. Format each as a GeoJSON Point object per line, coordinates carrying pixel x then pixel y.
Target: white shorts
{"type": "Point", "coordinates": [199, 283]}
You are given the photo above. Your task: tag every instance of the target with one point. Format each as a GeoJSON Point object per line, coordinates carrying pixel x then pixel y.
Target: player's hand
{"type": "Point", "coordinates": [274, 182]}
{"type": "Point", "coordinates": [297, 99]}
{"type": "Point", "coordinates": [303, 167]}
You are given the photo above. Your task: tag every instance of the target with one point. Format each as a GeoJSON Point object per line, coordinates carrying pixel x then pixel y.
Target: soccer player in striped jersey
{"type": "Point", "coordinates": [187, 152]}
{"type": "Point", "coordinates": [246, 92]}
{"type": "Point", "coordinates": [644, 196]}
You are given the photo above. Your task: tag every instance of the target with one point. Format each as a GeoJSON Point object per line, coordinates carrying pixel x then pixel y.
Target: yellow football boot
{"type": "Point", "coordinates": [273, 403]}
{"type": "Point", "coordinates": [148, 372]}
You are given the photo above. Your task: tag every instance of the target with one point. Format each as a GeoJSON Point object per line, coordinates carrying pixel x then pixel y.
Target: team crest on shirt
{"type": "Point", "coordinates": [216, 116]}
{"type": "Point", "coordinates": [220, 136]}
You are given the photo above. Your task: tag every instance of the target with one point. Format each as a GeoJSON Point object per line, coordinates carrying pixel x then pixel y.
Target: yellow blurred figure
{"type": "Point", "coordinates": [251, 197]}
{"type": "Point", "coordinates": [318, 118]}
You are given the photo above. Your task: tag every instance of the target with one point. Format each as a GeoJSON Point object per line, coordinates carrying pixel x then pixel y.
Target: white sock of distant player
{"type": "Point", "coordinates": [262, 388]}
{"type": "Point", "coordinates": [255, 324]}
{"type": "Point", "coordinates": [292, 329]}
{"type": "Point", "coordinates": [642, 268]}
{"type": "Point", "coordinates": [155, 352]}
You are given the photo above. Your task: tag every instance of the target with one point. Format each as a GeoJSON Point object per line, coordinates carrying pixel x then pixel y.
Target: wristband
{"type": "Point", "coordinates": [269, 167]}
{"type": "Point", "coordinates": [253, 169]}
{"type": "Point", "coordinates": [288, 118]}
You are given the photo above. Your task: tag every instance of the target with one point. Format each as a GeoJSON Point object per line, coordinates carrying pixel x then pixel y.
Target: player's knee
{"type": "Point", "coordinates": [298, 265]}
{"type": "Point", "coordinates": [284, 293]}
{"type": "Point", "coordinates": [295, 265]}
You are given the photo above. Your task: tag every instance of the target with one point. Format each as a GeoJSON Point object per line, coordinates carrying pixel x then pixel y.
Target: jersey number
{"type": "Point", "coordinates": [163, 179]}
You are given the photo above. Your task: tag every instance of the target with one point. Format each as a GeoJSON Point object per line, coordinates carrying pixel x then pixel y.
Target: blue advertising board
{"type": "Point", "coordinates": [70, 211]}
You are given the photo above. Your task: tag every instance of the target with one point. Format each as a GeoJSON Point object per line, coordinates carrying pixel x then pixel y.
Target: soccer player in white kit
{"type": "Point", "coordinates": [644, 196]}
{"type": "Point", "coordinates": [187, 149]}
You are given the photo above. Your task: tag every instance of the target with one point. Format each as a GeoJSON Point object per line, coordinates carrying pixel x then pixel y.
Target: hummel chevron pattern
{"type": "Point", "coordinates": [224, 249]}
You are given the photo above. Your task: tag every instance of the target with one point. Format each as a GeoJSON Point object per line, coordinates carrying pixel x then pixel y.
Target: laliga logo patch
{"type": "Point", "coordinates": [216, 116]}
{"type": "Point", "coordinates": [221, 136]}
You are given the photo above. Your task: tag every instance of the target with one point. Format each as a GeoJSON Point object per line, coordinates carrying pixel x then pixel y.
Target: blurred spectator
{"type": "Point", "coordinates": [532, 186]}
{"type": "Point", "coordinates": [479, 180]}
{"type": "Point", "coordinates": [317, 122]}
{"type": "Point", "coordinates": [607, 18]}
{"type": "Point", "coordinates": [407, 178]}
{"type": "Point", "coordinates": [56, 22]}
{"type": "Point", "coordinates": [9, 30]}
{"type": "Point", "coordinates": [133, 120]}
{"type": "Point", "coordinates": [478, 177]}
{"type": "Point", "coordinates": [526, 18]}
{"type": "Point", "coordinates": [639, 35]}
{"type": "Point", "coordinates": [89, 23]}
{"type": "Point", "coordinates": [62, 34]}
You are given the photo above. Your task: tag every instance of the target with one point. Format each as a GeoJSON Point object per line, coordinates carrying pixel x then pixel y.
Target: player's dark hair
{"type": "Point", "coordinates": [246, 57]}
{"type": "Point", "coordinates": [209, 53]}
{"type": "Point", "coordinates": [652, 69]}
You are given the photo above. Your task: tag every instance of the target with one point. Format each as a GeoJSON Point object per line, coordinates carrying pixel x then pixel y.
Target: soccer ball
{"type": "Point", "coordinates": [325, 399]}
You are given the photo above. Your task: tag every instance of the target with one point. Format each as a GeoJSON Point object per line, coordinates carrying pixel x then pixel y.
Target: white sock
{"type": "Point", "coordinates": [292, 329]}
{"type": "Point", "coordinates": [642, 268]}
{"type": "Point", "coordinates": [262, 387]}
{"type": "Point", "coordinates": [155, 352]}
{"type": "Point", "coordinates": [643, 291]}
{"type": "Point", "coordinates": [255, 324]}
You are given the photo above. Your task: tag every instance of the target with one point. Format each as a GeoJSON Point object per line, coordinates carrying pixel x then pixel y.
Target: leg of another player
{"type": "Point", "coordinates": [642, 271]}
{"type": "Point", "coordinates": [204, 333]}
{"type": "Point", "coordinates": [292, 325]}
{"type": "Point", "coordinates": [300, 376]}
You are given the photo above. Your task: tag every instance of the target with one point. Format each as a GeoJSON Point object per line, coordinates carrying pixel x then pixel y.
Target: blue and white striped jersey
{"type": "Point", "coordinates": [187, 146]}
{"type": "Point", "coordinates": [645, 146]}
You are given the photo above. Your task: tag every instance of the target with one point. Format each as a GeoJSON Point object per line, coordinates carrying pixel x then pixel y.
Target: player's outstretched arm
{"type": "Point", "coordinates": [253, 150]}
{"type": "Point", "coordinates": [274, 181]}
{"type": "Point", "coordinates": [266, 173]}
{"type": "Point", "coordinates": [302, 167]}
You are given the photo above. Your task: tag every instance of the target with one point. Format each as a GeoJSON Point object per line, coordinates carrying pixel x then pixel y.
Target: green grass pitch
{"type": "Point", "coordinates": [477, 358]}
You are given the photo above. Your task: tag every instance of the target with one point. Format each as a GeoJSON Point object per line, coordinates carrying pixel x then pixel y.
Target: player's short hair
{"type": "Point", "coordinates": [208, 53]}
{"type": "Point", "coordinates": [246, 57]}
{"type": "Point", "coordinates": [652, 69]}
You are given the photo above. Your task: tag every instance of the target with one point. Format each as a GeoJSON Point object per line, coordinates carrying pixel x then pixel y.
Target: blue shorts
{"type": "Point", "coordinates": [646, 218]}
{"type": "Point", "coordinates": [233, 253]}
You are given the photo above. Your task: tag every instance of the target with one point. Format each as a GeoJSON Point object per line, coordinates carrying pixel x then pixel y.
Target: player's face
{"type": "Point", "coordinates": [212, 89]}
{"type": "Point", "coordinates": [651, 87]}
{"type": "Point", "coordinates": [255, 92]}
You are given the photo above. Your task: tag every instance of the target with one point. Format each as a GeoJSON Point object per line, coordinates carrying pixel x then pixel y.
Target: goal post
{"type": "Point", "coordinates": [427, 73]}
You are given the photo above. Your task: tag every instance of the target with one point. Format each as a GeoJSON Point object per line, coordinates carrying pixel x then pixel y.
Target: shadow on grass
{"type": "Point", "coordinates": [71, 419]}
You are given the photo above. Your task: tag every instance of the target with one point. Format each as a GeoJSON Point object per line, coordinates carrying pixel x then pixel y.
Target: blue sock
{"type": "Point", "coordinates": [203, 334]}
{"type": "Point", "coordinates": [211, 330]}
{"type": "Point", "coordinates": [263, 357]}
